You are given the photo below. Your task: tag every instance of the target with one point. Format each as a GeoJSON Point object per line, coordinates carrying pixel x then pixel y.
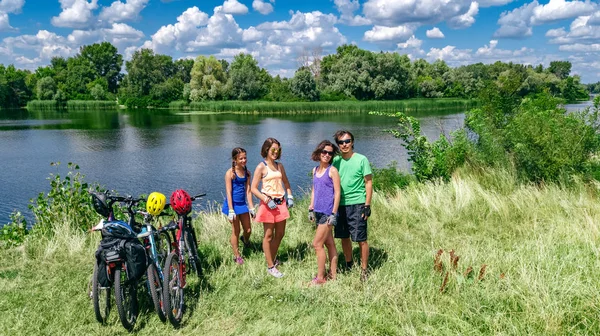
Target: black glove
{"type": "Point", "coordinates": [366, 211]}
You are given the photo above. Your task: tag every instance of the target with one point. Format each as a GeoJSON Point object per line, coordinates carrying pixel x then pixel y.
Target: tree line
{"type": "Point", "coordinates": [351, 73]}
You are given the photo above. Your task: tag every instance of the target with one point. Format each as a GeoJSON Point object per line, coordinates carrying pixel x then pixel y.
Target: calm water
{"type": "Point", "coordinates": [137, 152]}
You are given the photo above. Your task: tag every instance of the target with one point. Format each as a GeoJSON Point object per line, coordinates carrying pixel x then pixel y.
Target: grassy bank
{"type": "Point", "coordinates": [72, 105]}
{"type": "Point", "coordinates": [539, 245]}
{"type": "Point", "coordinates": [412, 105]}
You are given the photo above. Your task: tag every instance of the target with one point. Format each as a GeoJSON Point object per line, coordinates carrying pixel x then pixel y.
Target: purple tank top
{"type": "Point", "coordinates": [323, 189]}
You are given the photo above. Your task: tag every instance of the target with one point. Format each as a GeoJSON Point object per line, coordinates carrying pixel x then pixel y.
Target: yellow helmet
{"type": "Point", "coordinates": [156, 203]}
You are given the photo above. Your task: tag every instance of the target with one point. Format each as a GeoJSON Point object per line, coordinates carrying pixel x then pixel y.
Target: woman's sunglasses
{"type": "Point", "coordinates": [325, 152]}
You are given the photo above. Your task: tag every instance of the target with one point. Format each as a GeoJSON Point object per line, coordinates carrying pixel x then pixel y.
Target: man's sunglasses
{"type": "Point", "coordinates": [341, 142]}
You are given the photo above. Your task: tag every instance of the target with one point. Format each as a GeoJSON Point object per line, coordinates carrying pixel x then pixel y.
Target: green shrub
{"type": "Point", "coordinates": [68, 201]}
{"type": "Point", "coordinates": [389, 179]}
{"type": "Point", "coordinates": [15, 232]}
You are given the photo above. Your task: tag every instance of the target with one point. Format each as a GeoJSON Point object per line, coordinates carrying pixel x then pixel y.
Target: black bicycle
{"type": "Point", "coordinates": [111, 266]}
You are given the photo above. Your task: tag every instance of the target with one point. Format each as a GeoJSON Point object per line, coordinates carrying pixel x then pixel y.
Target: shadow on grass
{"type": "Point", "coordinates": [377, 257]}
{"type": "Point", "coordinates": [298, 252]}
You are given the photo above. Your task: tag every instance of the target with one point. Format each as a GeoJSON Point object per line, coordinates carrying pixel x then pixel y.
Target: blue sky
{"type": "Point", "coordinates": [278, 32]}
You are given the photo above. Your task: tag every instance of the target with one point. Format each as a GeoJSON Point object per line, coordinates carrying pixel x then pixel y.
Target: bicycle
{"type": "Point", "coordinates": [116, 268]}
{"type": "Point", "coordinates": [156, 243]}
{"type": "Point", "coordinates": [184, 243]}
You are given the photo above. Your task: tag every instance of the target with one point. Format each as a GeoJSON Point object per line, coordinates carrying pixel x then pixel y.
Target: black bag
{"type": "Point", "coordinates": [110, 250]}
{"type": "Point", "coordinates": [136, 259]}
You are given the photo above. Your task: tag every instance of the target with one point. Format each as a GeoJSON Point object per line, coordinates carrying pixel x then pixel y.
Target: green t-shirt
{"type": "Point", "coordinates": [352, 178]}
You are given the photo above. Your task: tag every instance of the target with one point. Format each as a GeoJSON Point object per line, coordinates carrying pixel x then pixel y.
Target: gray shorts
{"type": "Point", "coordinates": [350, 223]}
{"type": "Point", "coordinates": [321, 218]}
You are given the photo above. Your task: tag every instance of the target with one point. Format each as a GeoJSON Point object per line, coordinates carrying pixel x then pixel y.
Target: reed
{"type": "Point", "coordinates": [411, 105]}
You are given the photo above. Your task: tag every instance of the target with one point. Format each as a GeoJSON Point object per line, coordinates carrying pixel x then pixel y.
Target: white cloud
{"type": "Point", "coordinates": [397, 12]}
{"type": "Point", "coordinates": [76, 14]}
{"type": "Point", "coordinates": [347, 9]}
{"type": "Point", "coordinates": [411, 43]}
{"type": "Point", "coordinates": [518, 22]}
{"type": "Point", "coordinates": [435, 33]}
{"type": "Point", "coordinates": [490, 3]}
{"type": "Point", "coordinates": [178, 34]}
{"type": "Point", "coordinates": [234, 7]}
{"type": "Point", "coordinates": [120, 35]}
{"type": "Point", "coordinates": [11, 6]}
{"type": "Point", "coordinates": [465, 20]}
{"type": "Point", "coordinates": [380, 33]}
{"type": "Point", "coordinates": [119, 11]}
{"type": "Point", "coordinates": [580, 32]}
{"type": "Point", "coordinates": [252, 35]}
{"type": "Point", "coordinates": [580, 47]}
{"type": "Point", "coordinates": [262, 7]}
{"type": "Point", "coordinates": [6, 7]}
{"type": "Point", "coordinates": [44, 44]}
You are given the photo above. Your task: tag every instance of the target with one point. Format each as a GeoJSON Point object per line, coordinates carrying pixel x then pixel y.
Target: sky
{"type": "Point", "coordinates": [278, 32]}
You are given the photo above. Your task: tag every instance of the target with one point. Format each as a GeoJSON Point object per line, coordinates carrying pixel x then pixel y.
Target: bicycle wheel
{"type": "Point", "coordinates": [126, 299]}
{"type": "Point", "coordinates": [191, 246]}
{"type": "Point", "coordinates": [163, 247]}
{"type": "Point", "coordinates": [100, 298]}
{"type": "Point", "coordinates": [155, 287]}
{"type": "Point", "coordinates": [173, 290]}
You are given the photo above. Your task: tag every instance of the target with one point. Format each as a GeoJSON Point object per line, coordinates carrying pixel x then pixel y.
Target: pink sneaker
{"type": "Point", "coordinates": [239, 260]}
{"type": "Point", "coordinates": [316, 282]}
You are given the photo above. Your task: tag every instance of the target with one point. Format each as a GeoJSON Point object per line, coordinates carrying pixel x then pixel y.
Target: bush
{"type": "Point", "coordinates": [68, 201]}
{"type": "Point", "coordinates": [15, 232]}
{"type": "Point", "coordinates": [389, 179]}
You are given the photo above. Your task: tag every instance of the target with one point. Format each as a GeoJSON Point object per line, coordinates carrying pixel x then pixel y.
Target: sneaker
{"type": "Point", "coordinates": [239, 260]}
{"type": "Point", "coordinates": [274, 272]}
{"type": "Point", "coordinates": [364, 275]}
{"type": "Point", "coordinates": [316, 282]}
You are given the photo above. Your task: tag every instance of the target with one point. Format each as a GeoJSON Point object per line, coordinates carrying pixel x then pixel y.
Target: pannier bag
{"type": "Point", "coordinates": [119, 242]}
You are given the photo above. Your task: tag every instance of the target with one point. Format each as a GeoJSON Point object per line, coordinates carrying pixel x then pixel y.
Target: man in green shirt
{"type": "Point", "coordinates": [355, 201]}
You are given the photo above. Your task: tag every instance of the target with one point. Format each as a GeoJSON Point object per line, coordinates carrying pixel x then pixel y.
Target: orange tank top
{"type": "Point", "coordinates": [272, 183]}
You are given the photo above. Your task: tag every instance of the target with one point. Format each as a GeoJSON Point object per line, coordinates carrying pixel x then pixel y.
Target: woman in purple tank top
{"type": "Point", "coordinates": [324, 202]}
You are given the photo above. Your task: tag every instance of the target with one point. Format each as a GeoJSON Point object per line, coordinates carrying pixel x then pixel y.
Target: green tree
{"type": "Point", "coordinates": [98, 92]}
{"type": "Point", "coordinates": [207, 79]}
{"type": "Point", "coordinates": [246, 80]}
{"type": "Point", "coordinates": [46, 88]}
{"type": "Point", "coordinates": [561, 69]}
{"type": "Point", "coordinates": [144, 70]}
{"type": "Point", "coordinates": [80, 73]}
{"type": "Point", "coordinates": [183, 69]}
{"type": "Point", "coordinates": [106, 61]}
{"type": "Point", "coordinates": [304, 86]}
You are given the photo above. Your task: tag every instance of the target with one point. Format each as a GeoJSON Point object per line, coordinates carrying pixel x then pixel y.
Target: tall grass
{"type": "Point", "coordinates": [539, 245]}
{"type": "Point", "coordinates": [91, 104]}
{"type": "Point", "coordinates": [72, 104]}
{"type": "Point", "coordinates": [412, 105]}
{"type": "Point", "coordinates": [42, 105]}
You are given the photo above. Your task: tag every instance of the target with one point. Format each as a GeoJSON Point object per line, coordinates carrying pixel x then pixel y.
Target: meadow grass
{"type": "Point", "coordinates": [539, 245]}
{"type": "Point", "coordinates": [409, 105]}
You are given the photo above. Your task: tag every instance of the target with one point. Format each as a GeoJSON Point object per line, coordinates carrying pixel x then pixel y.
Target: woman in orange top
{"type": "Point", "coordinates": [273, 209]}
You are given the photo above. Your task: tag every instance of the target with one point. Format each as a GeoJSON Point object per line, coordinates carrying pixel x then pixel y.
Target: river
{"type": "Point", "coordinates": [141, 151]}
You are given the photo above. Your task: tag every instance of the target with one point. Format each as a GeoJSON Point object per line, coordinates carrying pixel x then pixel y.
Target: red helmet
{"type": "Point", "coordinates": [181, 202]}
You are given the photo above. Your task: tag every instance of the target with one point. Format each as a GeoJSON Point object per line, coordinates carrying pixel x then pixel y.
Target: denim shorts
{"type": "Point", "coordinates": [350, 223]}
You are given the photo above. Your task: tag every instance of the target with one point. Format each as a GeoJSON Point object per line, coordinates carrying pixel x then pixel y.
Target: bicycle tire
{"type": "Point", "coordinates": [173, 290]}
{"type": "Point", "coordinates": [155, 287]}
{"type": "Point", "coordinates": [163, 246]}
{"type": "Point", "coordinates": [100, 298]}
{"type": "Point", "coordinates": [192, 249]}
{"type": "Point", "coordinates": [126, 299]}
